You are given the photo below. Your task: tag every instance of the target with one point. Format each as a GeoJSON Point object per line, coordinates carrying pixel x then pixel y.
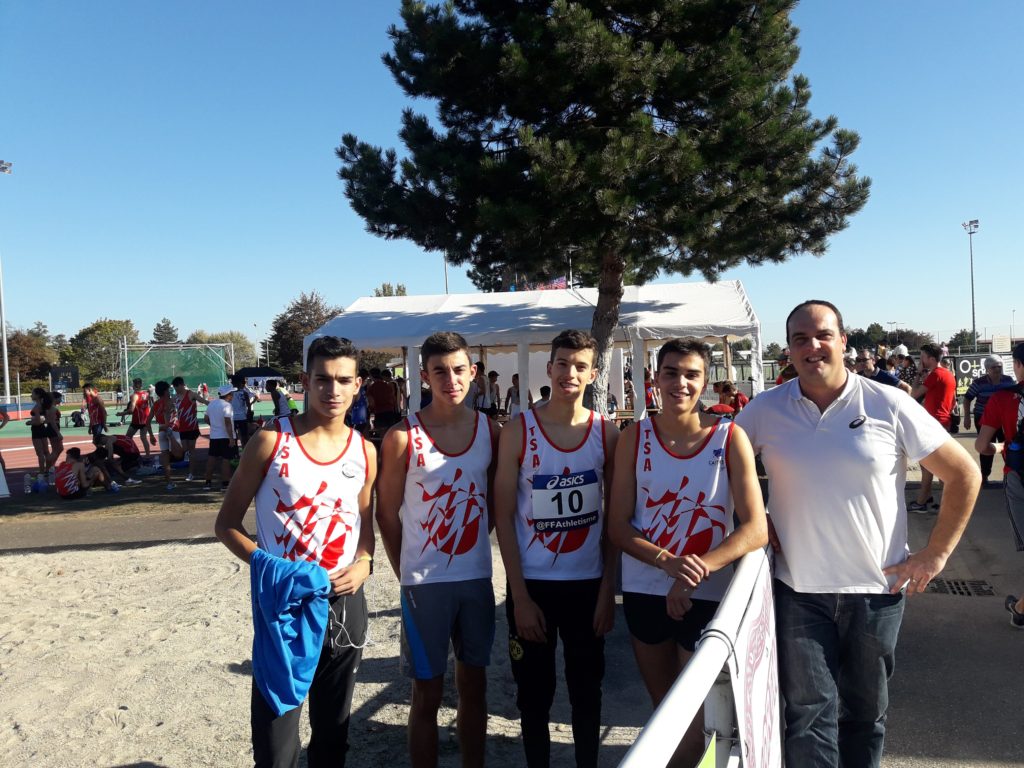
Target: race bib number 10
{"type": "Point", "coordinates": [565, 502]}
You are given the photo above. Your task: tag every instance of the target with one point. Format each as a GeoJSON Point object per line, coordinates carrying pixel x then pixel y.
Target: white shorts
{"type": "Point", "coordinates": [164, 439]}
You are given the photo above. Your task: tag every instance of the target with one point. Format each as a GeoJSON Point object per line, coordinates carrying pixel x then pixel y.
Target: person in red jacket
{"type": "Point", "coordinates": [1005, 411]}
{"type": "Point", "coordinates": [938, 387]}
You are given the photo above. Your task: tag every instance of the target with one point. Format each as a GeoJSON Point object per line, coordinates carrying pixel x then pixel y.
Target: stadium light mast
{"type": "Point", "coordinates": [970, 227]}
{"type": "Point", "coordinates": [5, 167]}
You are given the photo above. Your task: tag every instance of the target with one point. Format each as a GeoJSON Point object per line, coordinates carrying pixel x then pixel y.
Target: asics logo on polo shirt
{"type": "Point", "coordinates": [857, 422]}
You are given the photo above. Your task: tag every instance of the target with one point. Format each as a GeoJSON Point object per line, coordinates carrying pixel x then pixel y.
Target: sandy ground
{"type": "Point", "coordinates": [141, 657]}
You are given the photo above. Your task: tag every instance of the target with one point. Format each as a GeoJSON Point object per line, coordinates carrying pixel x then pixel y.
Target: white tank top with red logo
{"type": "Point", "coordinates": [560, 504]}
{"type": "Point", "coordinates": [683, 505]}
{"type": "Point", "coordinates": [309, 510]}
{"type": "Point", "coordinates": [444, 510]}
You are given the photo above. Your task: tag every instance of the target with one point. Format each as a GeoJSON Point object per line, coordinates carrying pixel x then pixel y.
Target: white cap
{"type": "Point", "coordinates": [226, 389]}
{"type": "Point", "coordinates": [900, 350]}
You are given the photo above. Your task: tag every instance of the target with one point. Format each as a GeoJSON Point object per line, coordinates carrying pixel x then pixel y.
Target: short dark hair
{"type": "Point", "coordinates": [932, 350]}
{"type": "Point", "coordinates": [686, 347]}
{"type": "Point", "coordinates": [330, 348]}
{"type": "Point", "coordinates": [442, 343]}
{"type": "Point", "coordinates": [270, 384]}
{"type": "Point", "coordinates": [137, 382]}
{"type": "Point", "coordinates": [237, 380]}
{"type": "Point", "coordinates": [74, 453]}
{"type": "Point", "coordinates": [820, 303]}
{"type": "Point", "coordinates": [177, 381]}
{"type": "Point", "coordinates": [375, 372]}
{"type": "Point", "coordinates": [1018, 353]}
{"type": "Point", "coordinates": [575, 340]}
{"type": "Point", "coordinates": [161, 388]}
{"type": "Point", "coordinates": [545, 391]}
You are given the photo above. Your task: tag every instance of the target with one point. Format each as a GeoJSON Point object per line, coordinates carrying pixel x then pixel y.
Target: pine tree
{"type": "Point", "coordinates": [303, 316]}
{"type": "Point", "coordinates": [165, 333]}
{"type": "Point", "coordinates": [639, 136]}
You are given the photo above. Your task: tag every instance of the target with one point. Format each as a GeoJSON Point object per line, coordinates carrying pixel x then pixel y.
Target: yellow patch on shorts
{"type": "Point", "coordinates": [515, 649]}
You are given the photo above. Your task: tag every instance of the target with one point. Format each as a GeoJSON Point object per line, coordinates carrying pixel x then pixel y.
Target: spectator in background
{"type": "Point", "coordinates": [4, 419]}
{"type": "Point", "coordinates": [906, 370]}
{"type": "Point", "coordinates": [383, 398]}
{"type": "Point", "coordinates": [513, 397]}
{"type": "Point", "coordinates": [1004, 413]}
{"type": "Point", "coordinates": [545, 395]}
{"type": "Point", "coordinates": [222, 437]}
{"type": "Point", "coordinates": [978, 394]}
{"type": "Point", "coordinates": [186, 405]}
{"type": "Point", "coordinates": [73, 478]}
{"type": "Point", "coordinates": [279, 398]}
{"type": "Point", "coordinates": [241, 408]}
{"type": "Point", "coordinates": [938, 387]}
{"type": "Point", "coordinates": [97, 412]}
{"type": "Point", "coordinates": [864, 364]}
{"type": "Point", "coordinates": [138, 407]}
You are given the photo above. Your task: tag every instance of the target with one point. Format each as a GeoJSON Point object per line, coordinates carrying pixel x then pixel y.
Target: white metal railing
{"type": "Point", "coordinates": [705, 681]}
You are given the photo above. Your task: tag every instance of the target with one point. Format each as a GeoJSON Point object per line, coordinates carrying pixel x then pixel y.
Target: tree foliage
{"type": "Point", "coordinates": [642, 137]}
{"type": "Point", "coordinates": [29, 353]}
{"type": "Point", "coordinates": [387, 289]}
{"type": "Point", "coordinates": [962, 340]}
{"type": "Point", "coordinates": [164, 332]}
{"type": "Point", "coordinates": [95, 348]}
{"type": "Point", "coordinates": [772, 351]}
{"type": "Point", "coordinates": [245, 352]}
{"type": "Point", "coordinates": [300, 318]}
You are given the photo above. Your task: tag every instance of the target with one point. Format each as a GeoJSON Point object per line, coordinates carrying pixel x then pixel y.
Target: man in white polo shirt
{"type": "Point", "coordinates": [836, 448]}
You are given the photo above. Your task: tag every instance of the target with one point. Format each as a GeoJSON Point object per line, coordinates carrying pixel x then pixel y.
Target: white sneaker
{"type": "Point", "coordinates": [115, 488]}
{"type": "Point", "coordinates": [170, 486]}
{"type": "Point", "coordinates": [132, 481]}
{"type": "Point", "coordinates": [189, 478]}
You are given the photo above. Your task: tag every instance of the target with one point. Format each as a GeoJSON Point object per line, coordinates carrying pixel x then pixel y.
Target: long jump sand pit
{"type": "Point", "coordinates": [141, 657]}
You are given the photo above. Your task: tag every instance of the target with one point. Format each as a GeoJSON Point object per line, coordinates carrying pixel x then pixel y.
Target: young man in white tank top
{"type": "Point", "coordinates": [433, 506]}
{"type": "Point", "coordinates": [312, 479]}
{"type": "Point", "coordinates": [679, 476]}
{"type": "Point", "coordinates": [554, 470]}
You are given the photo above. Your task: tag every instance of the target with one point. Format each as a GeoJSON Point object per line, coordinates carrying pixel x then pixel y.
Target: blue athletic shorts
{"type": "Point", "coordinates": [435, 614]}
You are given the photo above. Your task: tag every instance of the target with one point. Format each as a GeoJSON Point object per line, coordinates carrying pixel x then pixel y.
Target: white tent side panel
{"type": "Point", "coordinates": [500, 321]}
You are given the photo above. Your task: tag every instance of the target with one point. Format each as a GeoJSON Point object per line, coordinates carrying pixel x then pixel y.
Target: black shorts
{"type": "Point", "coordinates": [649, 622]}
{"type": "Point", "coordinates": [42, 432]}
{"type": "Point", "coordinates": [133, 428]}
{"type": "Point", "coordinates": [192, 434]}
{"type": "Point", "coordinates": [242, 429]}
{"type": "Point", "coordinates": [221, 448]}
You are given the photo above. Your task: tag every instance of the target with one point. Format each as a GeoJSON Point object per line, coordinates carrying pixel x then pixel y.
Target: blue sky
{"type": "Point", "coordinates": [178, 159]}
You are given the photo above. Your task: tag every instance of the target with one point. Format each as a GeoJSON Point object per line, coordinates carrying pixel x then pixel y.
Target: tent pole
{"type": "Point", "coordinates": [412, 377]}
{"type": "Point", "coordinates": [639, 363]}
{"type": "Point", "coordinates": [523, 369]}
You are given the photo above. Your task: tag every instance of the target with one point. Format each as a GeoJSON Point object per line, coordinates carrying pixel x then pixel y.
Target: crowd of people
{"type": "Point", "coordinates": [674, 497]}
{"type": "Point", "coordinates": [164, 416]}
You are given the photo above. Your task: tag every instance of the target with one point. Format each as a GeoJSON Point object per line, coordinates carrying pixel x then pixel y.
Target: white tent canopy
{"type": "Point", "coordinates": [521, 319]}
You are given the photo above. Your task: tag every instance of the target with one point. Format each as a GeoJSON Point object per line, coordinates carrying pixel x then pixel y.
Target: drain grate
{"type": "Point", "coordinates": [961, 587]}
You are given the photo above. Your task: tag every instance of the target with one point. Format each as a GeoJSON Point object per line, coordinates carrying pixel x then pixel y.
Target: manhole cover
{"type": "Point", "coordinates": [961, 587]}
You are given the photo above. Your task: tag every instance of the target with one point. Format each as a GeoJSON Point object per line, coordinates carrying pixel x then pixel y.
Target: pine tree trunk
{"type": "Point", "coordinates": [606, 317]}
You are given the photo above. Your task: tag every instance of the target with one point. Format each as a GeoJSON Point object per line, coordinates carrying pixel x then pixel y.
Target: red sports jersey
{"type": "Point", "coordinates": [93, 403]}
{"type": "Point", "coordinates": [140, 413]}
{"type": "Point", "coordinates": [125, 445]}
{"type": "Point", "coordinates": [163, 412]}
{"type": "Point", "coordinates": [66, 479]}
{"type": "Point", "coordinates": [188, 420]}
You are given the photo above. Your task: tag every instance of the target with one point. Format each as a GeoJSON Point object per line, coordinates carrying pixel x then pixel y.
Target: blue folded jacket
{"type": "Point", "coordinates": [289, 616]}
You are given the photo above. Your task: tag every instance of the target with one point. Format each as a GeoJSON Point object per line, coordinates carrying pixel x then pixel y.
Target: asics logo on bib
{"type": "Point", "coordinates": [565, 481]}
{"type": "Point", "coordinates": [857, 422]}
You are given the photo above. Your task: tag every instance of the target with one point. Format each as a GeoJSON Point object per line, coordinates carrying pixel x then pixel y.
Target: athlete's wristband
{"type": "Point", "coordinates": [367, 558]}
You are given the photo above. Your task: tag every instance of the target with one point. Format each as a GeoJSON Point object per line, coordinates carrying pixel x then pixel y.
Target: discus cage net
{"type": "Point", "coordinates": [209, 364]}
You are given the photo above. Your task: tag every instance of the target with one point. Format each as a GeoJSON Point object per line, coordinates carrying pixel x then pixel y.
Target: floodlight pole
{"type": "Point", "coordinates": [5, 168]}
{"type": "Point", "coordinates": [971, 227]}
